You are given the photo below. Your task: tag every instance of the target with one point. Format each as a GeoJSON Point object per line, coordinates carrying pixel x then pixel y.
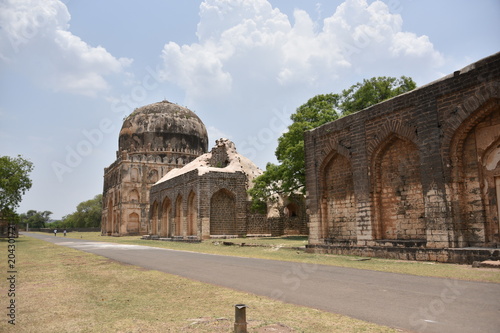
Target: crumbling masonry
{"type": "Point", "coordinates": [412, 175]}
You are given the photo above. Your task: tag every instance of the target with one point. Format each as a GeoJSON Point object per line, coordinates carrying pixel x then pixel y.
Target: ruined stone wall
{"type": "Point", "coordinates": [257, 223]}
{"type": "Point", "coordinates": [420, 169]}
{"type": "Point", "coordinates": [219, 207]}
{"type": "Point", "coordinates": [210, 204]}
{"type": "Point", "coordinates": [339, 201]}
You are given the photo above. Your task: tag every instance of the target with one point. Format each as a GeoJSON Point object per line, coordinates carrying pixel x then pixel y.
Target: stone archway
{"type": "Point", "coordinates": [398, 195]}
{"type": "Point", "coordinates": [133, 195]}
{"type": "Point", "coordinates": [223, 213]}
{"type": "Point", "coordinates": [165, 218]}
{"type": "Point", "coordinates": [474, 159]}
{"type": "Point", "coordinates": [109, 222]}
{"type": "Point", "coordinates": [292, 210]}
{"type": "Point", "coordinates": [338, 209]}
{"type": "Point", "coordinates": [192, 215]}
{"type": "Point", "coordinates": [491, 189]}
{"type": "Point", "coordinates": [178, 216]}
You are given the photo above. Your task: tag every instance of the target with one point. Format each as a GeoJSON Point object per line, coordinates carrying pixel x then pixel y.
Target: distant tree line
{"type": "Point", "coordinates": [87, 215]}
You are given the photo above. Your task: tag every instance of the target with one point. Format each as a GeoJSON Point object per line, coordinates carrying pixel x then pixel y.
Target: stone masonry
{"type": "Point", "coordinates": [154, 139]}
{"type": "Point", "coordinates": [420, 170]}
{"type": "Point", "coordinates": [208, 197]}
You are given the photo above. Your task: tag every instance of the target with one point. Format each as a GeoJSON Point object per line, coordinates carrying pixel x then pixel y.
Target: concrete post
{"type": "Point", "coordinates": [240, 318]}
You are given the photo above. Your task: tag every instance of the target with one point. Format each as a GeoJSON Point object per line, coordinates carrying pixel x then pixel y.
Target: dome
{"type": "Point", "coordinates": [163, 126]}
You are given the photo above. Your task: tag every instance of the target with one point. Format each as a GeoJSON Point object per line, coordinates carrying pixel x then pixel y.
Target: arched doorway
{"type": "Point", "coordinates": [474, 158]}
{"type": "Point", "coordinates": [109, 222]}
{"type": "Point", "coordinates": [178, 216]}
{"type": "Point", "coordinates": [223, 213]}
{"type": "Point", "coordinates": [398, 194]}
{"type": "Point", "coordinates": [165, 218]}
{"type": "Point", "coordinates": [192, 215]}
{"type": "Point", "coordinates": [339, 203]}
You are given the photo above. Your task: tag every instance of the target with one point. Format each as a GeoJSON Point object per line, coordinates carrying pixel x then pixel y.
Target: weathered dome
{"type": "Point", "coordinates": [163, 126]}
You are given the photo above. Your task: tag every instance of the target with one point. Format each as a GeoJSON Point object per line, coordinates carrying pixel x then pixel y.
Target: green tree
{"type": "Point", "coordinates": [14, 182]}
{"type": "Point", "coordinates": [87, 215]}
{"type": "Point", "coordinates": [35, 219]}
{"type": "Point", "coordinates": [289, 176]}
{"type": "Point", "coordinates": [373, 91]}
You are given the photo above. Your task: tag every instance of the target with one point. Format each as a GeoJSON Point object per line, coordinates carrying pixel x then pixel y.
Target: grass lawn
{"type": "Point", "coordinates": [59, 289]}
{"type": "Point", "coordinates": [278, 248]}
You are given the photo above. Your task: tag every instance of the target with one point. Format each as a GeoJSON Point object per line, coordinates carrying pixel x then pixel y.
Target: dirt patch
{"type": "Point", "coordinates": [275, 328]}
{"type": "Point", "coordinates": [205, 324]}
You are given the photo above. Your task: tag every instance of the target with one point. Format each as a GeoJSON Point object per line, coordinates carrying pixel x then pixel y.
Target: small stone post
{"type": "Point", "coordinates": [240, 318]}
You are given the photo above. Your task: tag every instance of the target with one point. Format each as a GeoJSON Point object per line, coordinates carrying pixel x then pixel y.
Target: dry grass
{"type": "Point", "coordinates": [278, 251]}
{"type": "Point", "coordinates": [64, 290]}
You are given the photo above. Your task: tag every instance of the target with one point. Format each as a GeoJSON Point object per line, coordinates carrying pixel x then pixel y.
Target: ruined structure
{"type": "Point", "coordinates": [207, 197]}
{"type": "Point", "coordinates": [154, 139]}
{"type": "Point", "coordinates": [414, 177]}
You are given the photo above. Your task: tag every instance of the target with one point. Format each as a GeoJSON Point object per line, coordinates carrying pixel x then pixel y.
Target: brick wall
{"type": "Point", "coordinates": [223, 213]}
{"type": "Point", "coordinates": [214, 203]}
{"type": "Point", "coordinates": [339, 200]}
{"type": "Point", "coordinates": [398, 192]}
{"type": "Point", "coordinates": [421, 167]}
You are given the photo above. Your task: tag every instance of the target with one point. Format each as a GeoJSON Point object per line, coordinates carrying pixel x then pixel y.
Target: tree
{"type": "Point", "coordinates": [289, 176]}
{"type": "Point", "coordinates": [35, 219]}
{"type": "Point", "coordinates": [373, 91]}
{"type": "Point", "coordinates": [14, 182]}
{"type": "Point", "coordinates": [87, 215]}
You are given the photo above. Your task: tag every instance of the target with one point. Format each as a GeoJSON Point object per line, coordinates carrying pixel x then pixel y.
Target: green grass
{"type": "Point", "coordinates": [278, 249]}
{"type": "Point", "coordinates": [60, 289]}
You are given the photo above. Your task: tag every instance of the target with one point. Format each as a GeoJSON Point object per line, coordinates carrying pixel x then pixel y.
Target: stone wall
{"type": "Point", "coordinates": [217, 205]}
{"type": "Point", "coordinates": [257, 224]}
{"type": "Point", "coordinates": [420, 169]}
{"type": "Point", "coordinates": [466, 256]}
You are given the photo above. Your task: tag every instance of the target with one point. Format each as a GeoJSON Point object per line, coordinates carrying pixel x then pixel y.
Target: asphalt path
{"type": "Point", "coordinates": [413, 303]}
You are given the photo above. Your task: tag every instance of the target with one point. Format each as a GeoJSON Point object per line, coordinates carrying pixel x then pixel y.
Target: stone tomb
{"type": "Point", "coordinates": [207, 197]}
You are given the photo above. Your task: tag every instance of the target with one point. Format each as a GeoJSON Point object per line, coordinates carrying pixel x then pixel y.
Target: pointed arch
{"type": "Point", "coordinates": [338, 202]}
{"type": "Point", "coordinates": [109, 222]}
{"type": "Point", "coordinates": [292, 210]}
{"type": "Point", "coordinates": [133, 195]}
{"type": "Point", "coordinates": [491, 190]}
{"type": "Point", "coordinates": [474, 169]}
{"type": "Point", "coordinates": [179, 216]}
{"type": "Point", "coordinates": [192, 214]}
{"type": "Point", "coordinates": [223, 213]}
{"type": "Point", "coordinates": [165, 218]}
{"type": "Point", "coordinates": [398, 194]}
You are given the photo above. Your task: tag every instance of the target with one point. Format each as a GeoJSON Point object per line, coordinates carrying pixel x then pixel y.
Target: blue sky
{"type": "Point", "coordinates": [70, 71]}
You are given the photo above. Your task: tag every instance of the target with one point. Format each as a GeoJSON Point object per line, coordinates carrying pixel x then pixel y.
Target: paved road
{"type": "Point", "coordinates": [413, 303]}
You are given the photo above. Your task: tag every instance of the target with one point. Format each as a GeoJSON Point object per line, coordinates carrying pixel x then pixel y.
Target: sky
{"type": "Point", "coordinates": [71, 71]}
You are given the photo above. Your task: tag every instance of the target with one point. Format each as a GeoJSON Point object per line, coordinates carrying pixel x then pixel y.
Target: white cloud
{"type": "Point", "coordinates": [246, 45]}
{"type": "Point", "coordinates": [63, 61]}
{"type": "Point", "coordinates": [251, 59]}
